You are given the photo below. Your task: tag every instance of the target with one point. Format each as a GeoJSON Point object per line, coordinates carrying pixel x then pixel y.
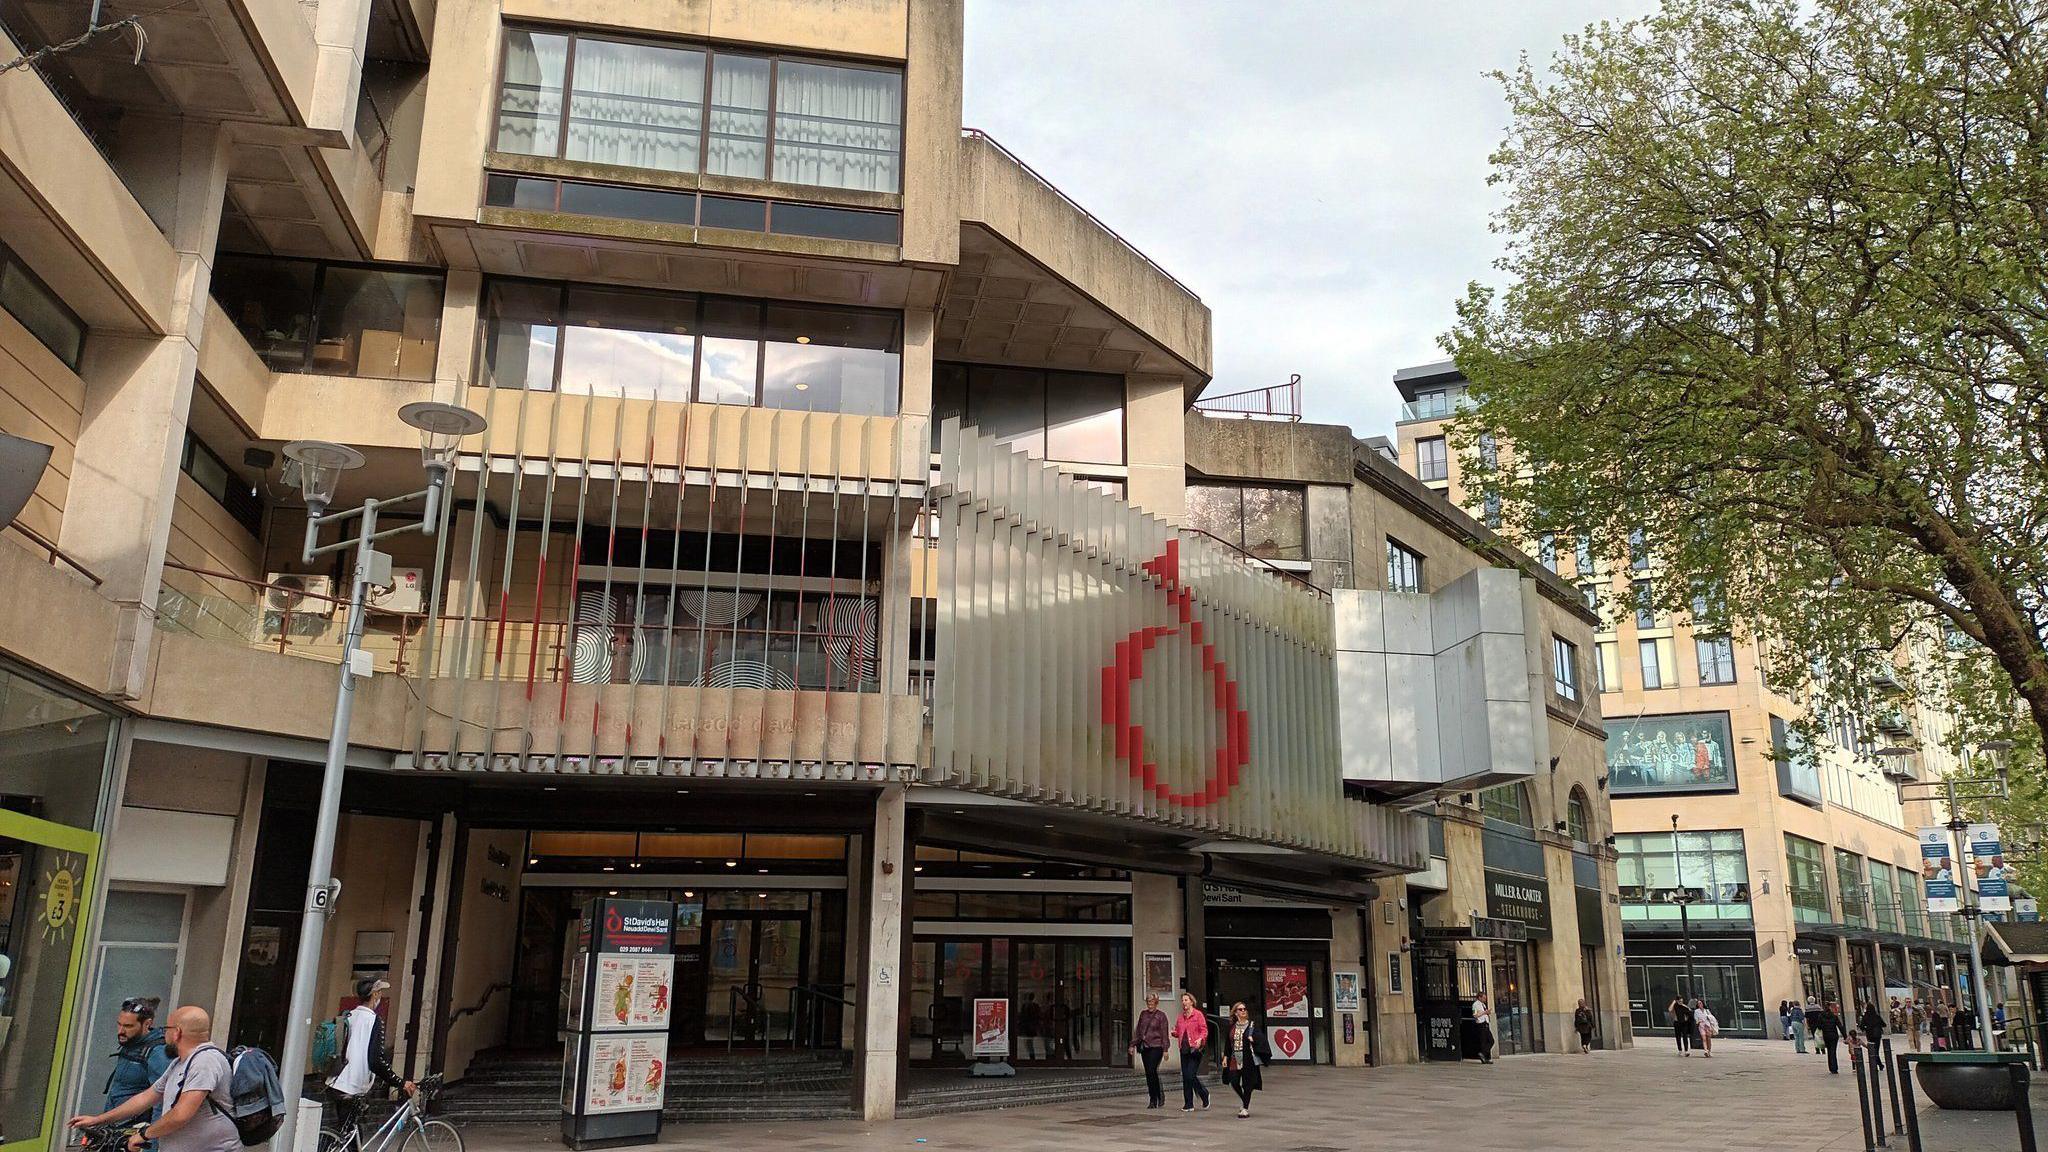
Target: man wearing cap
{"type": "Point", "coordinates": [364, 1063]}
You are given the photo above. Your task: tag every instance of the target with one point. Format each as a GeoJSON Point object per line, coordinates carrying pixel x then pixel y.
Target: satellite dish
{"type": "Point", "coordinates": [21, 467]}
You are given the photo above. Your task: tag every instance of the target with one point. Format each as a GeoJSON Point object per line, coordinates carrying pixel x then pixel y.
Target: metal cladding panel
{"type": "Point", "coordinates": [1092, 656]}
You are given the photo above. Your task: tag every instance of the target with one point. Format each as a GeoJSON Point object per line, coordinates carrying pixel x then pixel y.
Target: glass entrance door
{"type": "Point", "coordinates": [753, 966]}
{"type": "Point", "coordinates": [1514, 1002]}
{"type": "Point", "coordinates": [46, 871]}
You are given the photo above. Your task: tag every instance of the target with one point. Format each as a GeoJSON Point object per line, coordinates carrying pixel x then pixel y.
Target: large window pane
{"type": "Point", "coordinates": [372, 322]}
{"type": "Point", "coordinates": [1008, 404]}
{"type": "Point", "coordinates": [1084, 416]}
{"type": "Point", "coordinates": [520, 329]}
{"type": "Point", "coordinates": [28, 300]}
{"type": "Point", "coordinates": [838, 127]}
{"type": "Point", "coordinates": [830, 360]}
{"type": "Point", "coordinates": [530, 97]}
{"type": "Point", "coordinates": [739, 117]}
{"type": "Point", "coordinates": [271, 303]}
{"type": "Point", "coordinates": [1217, 509]}
{"type": "Point", "coordinates": [732, 352]}
{"type": "Point", "coordinates": [619, 342]}
{"type": "Point", "coordinates": [1275, 523]}
{"type": "Point", "coordinates": [636, 105]}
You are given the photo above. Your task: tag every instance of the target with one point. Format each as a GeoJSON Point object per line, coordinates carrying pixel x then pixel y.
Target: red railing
{"type": "Point", "coordinates": [57, 555]}
{"type": "Point", "coordinates": [978, 134]}
{"type": "Point", "coordinates": [1273, 402]}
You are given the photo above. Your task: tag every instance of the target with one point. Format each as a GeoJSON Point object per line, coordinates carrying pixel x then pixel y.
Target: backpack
{"type": "Point", "coordinates": [330, 1051]}
{"type": "Point", "coordinates": [255, 1097]}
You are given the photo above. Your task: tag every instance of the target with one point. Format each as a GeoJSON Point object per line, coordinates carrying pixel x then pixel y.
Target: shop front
{"type": "Point", "coordinates": [1863, 974]}
{"type": "Point", "coordinates": [56, 755]}
{"type": "Point", "coordinates": [1722, 971]}
{"type": "Point", "coordinates": [1273, 955]}
{"type": "Point", "coordinates": [1820, 978]}
{"type": "Point", "coordinates": [1517, 1000]}
{"type": "Point", "coordinates": [1049, 939]}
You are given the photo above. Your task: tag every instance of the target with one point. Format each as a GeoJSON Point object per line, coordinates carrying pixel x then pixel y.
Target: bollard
{"type": "Point", "coordinates": [1877, 1075]}
{"type": "Point", "coordinates": [1912, 1109]}
{"type": "Point", "coordinates": [2022, 1107]}
{"type": "Point", "coordinates": [1896, 1073]}
{"type": "Point", "coordinates": [1856, 1063]}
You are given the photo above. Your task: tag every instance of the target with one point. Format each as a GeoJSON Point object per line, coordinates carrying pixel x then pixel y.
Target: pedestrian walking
{"type": "Point", "coordinates": [1799, 1027]}
{"type": "Point", "coordinates": [1192, 1030]}
{"type": "Point", "coordinates": [1680, 1015]}
{"type": "Point", "coordinates": [1582, 1023]}
{"type": "Point", "coordinates": [1916, 1021]}
{"type": "Point", "coordinates": [1246, 1051]}
{"type": "Point", "coordinates": [1938, 1024]}
{"type": "Point", "coordinates": [141, 1057]}
{"type": "Point", "coordinates": [1149, 1038]}
{"type": "Point", "coordinates": [364, 1063]}
{"type": "Point", "coordinates": [1831, 1034]}
{"type": "Point", "coordinates": [1964, 1024]}
{"type": "Point", "coordinates": [1705, 1026]}
{"type": "Point", "coordinates": [1872, 1024]}
{"type": "Point", "coordinates": [1813, 1015]}
{"type": "Point", "coordinates": [1785, 1018]}
{"type": "Point", "coordinates": [1482, 1028]}
{"type": "Point", "coordinates": [193, 1094]}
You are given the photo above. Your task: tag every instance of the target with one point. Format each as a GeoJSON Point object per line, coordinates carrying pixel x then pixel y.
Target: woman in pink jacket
{"type": "Point", "coordinates": [1192, 1030]}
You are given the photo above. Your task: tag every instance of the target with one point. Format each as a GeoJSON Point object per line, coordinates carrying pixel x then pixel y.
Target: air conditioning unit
{"type": "Point", "coordinates": [306, 602]}
{"type": "Point", "coordinates": [403, 597]}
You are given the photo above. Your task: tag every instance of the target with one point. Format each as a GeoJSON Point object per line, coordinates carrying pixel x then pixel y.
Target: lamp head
{"type": "Point", "coordinates": [441, 428]}
{"type": "Point", "coordinates": [314, 467]}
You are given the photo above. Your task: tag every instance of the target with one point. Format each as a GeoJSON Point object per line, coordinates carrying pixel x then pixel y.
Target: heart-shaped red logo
{"type": "Point", "coordinates": [1288, 1040]}
{"type": "Point", "coordinates": [1128, 667]}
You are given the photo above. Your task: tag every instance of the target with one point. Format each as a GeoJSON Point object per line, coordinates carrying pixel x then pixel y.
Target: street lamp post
{"type": "Point", "coordinates": [1976, 789]}
{"type": "Point", "coordinates": [315, 468]}
{"type": "Point", "coordinates": [1684, 902]}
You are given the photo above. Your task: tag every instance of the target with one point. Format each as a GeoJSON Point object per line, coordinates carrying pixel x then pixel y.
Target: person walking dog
{"type": "Point", "coordinates": [1192, 1030]}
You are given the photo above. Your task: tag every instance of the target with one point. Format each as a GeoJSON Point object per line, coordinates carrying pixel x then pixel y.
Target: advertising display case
{"type": "Point", "coordinates": [615, 1047]}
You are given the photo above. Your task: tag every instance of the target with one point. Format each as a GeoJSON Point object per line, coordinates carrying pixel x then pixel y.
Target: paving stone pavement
{"type": "Point", "coordinates": [1753, 1095]}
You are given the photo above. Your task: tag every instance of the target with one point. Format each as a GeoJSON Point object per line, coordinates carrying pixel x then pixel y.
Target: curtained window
{"type": "Point", "coordinates": [530, 96]}
{"type": "Point", "coordinates": [739, 117]}
{"type": "Point", "coordinates": [636, 105]}
{"type": "Point", "coordinates": [838, 127]}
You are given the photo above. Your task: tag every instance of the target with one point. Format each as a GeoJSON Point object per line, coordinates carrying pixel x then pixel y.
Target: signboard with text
{"type": "Point", "coordinates": [1937, 871]}
{"type": "Point", "coordinates": [1987, 864]}
{"type": "Point", "coordinates": [616, 1064]}
{"type": "Point", "coordinates": [992, 1027]}
{"type": "Point", "coordinates": [1522, 899]}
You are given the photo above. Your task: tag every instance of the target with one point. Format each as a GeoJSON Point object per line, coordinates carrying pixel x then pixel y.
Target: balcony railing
{"type": "Point", "coordinates": [1273, 402]}
{"type": "Point", "coordinates": [1436, 405]}
{"type": "Point", "coordinates": [57, 555]}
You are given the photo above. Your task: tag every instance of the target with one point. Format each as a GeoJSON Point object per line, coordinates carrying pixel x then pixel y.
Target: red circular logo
{"type": "Point", "coordinates": [1127, 667]}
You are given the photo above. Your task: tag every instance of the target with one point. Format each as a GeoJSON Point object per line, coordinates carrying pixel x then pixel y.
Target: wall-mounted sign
{"type": "Point", "coordinates": [1345, 998]}
{"type": "Point", "coordinates": [1522, 899]}
{"type": "Point", "coordinates": [637, 926]}
{"type": "Point", "coordinates": [1290, 1042]}
{"type": "Point", "coordinates": [2026, 909]}
{"type": "Point", "coordinates": [1987, 863]}
{"type": "Point", "coordinates": [1286, 991]}
{"type": "Point", "coordinates": [1159, 979]}
{"type": "Point", "coordinates": [1938, 872]}
{"type": "Point", "coordinates": [1492, 928]}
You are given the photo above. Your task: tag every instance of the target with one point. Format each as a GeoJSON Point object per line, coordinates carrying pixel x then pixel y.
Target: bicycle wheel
{"type": "Point", "coordinates": [433, 1136]}
{"type": "Point", "coordinates": [330, 1140]}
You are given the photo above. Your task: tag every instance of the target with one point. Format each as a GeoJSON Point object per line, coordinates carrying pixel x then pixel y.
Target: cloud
{"type": "Point", "coordinates": [1316, 172]}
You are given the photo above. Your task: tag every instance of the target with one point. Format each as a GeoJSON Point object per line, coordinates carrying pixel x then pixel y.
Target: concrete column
{"type": "Point", "coordinates": [341, 30]}
{"type": "Point", "coordinates": [850, 962]}
{"type": "Point", "coordinates": [138, 390]}
{"type": "Point", "coordinates": [1155, 430]}
{"type": "Point", "coordinates": [1347, 954]}
{"type": "Point", "coordinates": [1395, 1040]}
{"type": "Point", "coordinates": [1156, 916]}
{"type": "Point", "coordinates": [1194, 933]}
{"type": "Point", "coordinates": [881, 973]}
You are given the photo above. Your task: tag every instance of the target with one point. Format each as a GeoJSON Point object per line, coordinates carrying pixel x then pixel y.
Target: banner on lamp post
{"type": "Point", "coordinates": [1937, 872]}
{"type": "Point", "coordinates": [1987, 861]}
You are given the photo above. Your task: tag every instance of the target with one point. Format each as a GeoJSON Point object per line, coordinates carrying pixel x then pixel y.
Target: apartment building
{"type": "Point", "coordinates": [814, 563]}
{"type": "Point", "coordinates": [1801, 862]}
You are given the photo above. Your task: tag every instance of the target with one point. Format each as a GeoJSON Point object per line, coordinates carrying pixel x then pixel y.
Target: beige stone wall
{"type": "Point", "coordinates": [381, 864]}
{"type": "Point", "coordinates": [484, 954]}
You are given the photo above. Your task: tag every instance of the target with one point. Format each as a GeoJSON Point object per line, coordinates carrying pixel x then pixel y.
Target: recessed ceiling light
{"type": "Point", "coordinates": [764, 895]}
{"type": "Point", "coordinates": [607, 867]}
{"type": "Point", "coordinates": [613, 892]}
{"type": "Point", "coordinates": [547, 788]}
{"type": "Point", "coordinates": [803, 339]}
{"type": "Point", "coordinates": [917, 868]}
{"type": "Point", "coordinates": [802, 387]}
{"type": "Point", "coordinates": [810, 793]}
{"type": "Point", "coordinates": [687, 893]}
{"type": "Point", "coordinates": [762, 871]}
{"type": "Point", "coordinates": [732, 863]}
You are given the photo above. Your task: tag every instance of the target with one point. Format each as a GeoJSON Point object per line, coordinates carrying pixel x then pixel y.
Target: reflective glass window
{"type": "Point", "coordinates": [620, 342]}
{"type": "Point", "coordinates": [739, 117]}
{"type": "Point", "coordinates": [636, 105]}
{"type": "Point", "coordinates": [530, 95]}
{"type": "Point", "coordinates": [522, 325]}
{"type": "Point", "coordinates": [1084, 416]}
{"type": "Point", "coordinates": [830, 360]}
{"type": "Point", "coordinates": [838, 127]}
{"type": "Point", "coordinates": [378, 323]}
{"type": "Point", "coordinates": [47, 318]}
{"type": "Point", "coordinates": [732, 352]}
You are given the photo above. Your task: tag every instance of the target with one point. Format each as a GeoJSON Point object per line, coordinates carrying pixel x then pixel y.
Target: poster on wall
{"type": "Point", "coordinates": [1159, 976]}
{"type": "Point", "coordinates": [991, 1027]}
{"type": "Point", "coordinates": [627, 1074]}
{"type": "Point", "coordinates": [1987, 862]}
{"type": "Point", "coordinates": [1686, 753]}
{"type": "Point", "coordinates": [1290, 1042]}
{"type": "Point", "coordinates": [1345, 998]}
{"type": "Point", "coordinates": [1286, 992]}
{"type": "Point", "coordinates": [633, 991]}
{"type": "Point", "coordinates": [1937, 871]}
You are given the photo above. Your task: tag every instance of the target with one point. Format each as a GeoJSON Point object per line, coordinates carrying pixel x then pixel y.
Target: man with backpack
{"type": "Point", "coordinates": [141, 1058]}
{"type": "Point", "coordinates": [196, 1091]}
{"type": "Point", "coordinates": [361, 1062]}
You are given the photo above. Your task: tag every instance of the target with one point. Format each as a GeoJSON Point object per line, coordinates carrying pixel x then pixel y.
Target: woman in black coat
{"type": "Point", "coordinates": [1245, 1051]}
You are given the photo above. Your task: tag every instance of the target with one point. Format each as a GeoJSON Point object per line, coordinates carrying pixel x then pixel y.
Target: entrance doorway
{"type": "Point", "coordinates": [754, 964]}
{"type": "Point", "coordinates": [1517, 1009]}
{"type": "Point", "coordinates": [1589, 979]}
{"type": "Point", "coordinates": [1069, 998]}
{"type": "Point", "coordinates": [1820, 982]}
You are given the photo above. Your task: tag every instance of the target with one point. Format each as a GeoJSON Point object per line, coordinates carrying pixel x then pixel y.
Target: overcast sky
{"type": "Point", "coordinates": [1314, 171]}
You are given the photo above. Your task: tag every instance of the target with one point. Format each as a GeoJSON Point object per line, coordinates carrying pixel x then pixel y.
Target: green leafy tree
{"type": "Point", "coordinates": [1776, 295]}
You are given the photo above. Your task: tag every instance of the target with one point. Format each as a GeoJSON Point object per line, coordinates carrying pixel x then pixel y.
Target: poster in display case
{"type": "Point", "coordinates": [622, 988]}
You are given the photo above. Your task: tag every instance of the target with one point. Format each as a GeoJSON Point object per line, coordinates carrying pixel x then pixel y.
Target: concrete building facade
{"type": "Point", "coordinates": [1802, 863]}
{"type": "Point", "coordinates": [811, 417]}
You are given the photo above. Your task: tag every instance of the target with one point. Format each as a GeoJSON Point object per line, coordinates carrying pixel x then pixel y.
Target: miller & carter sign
{"type": "Point", "coordinates": [1522, 899]}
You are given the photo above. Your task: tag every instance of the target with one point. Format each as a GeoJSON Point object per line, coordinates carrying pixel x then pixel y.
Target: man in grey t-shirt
{"type": "Point", "coordinates": [195, 1091]}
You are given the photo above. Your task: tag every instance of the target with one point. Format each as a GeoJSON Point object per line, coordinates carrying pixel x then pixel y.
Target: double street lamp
{"type": "Point", "coordinates": [314, 467]}
{"type": "Point", "coordinates": [1950, 790]}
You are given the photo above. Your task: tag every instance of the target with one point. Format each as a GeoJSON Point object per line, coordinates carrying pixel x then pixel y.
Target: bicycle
{"type": "Point", "coordinates": [407, 1125]}
{"type": "Point", "coordinates": [107, 1137]}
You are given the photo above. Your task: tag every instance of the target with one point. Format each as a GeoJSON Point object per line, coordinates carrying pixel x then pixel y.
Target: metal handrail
{"type": "Point", "coordinates": [477, 1007]}
{"type": "Point", "coordinates": [807, 1007]}
{"type": "Point", "coordinates": [1297, 577]}
{"type": "Point", "coordinates": [1012, 157]}
{"type": "Point", "coordinates": [1287, 408]}
{"type": "Point", "coordinates": [55, 553]}
{"type": "Point", "coordinates": [751, 993]}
